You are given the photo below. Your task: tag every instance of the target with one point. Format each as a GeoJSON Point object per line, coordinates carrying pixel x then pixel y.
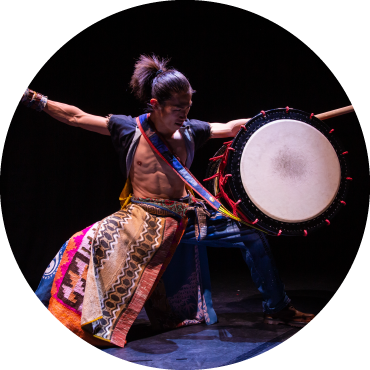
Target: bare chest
{"type": "Point", "coordinates": [147, 160]}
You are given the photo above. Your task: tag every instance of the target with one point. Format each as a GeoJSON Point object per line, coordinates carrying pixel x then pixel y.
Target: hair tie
{"type": "Point", "coordinates": [158, 72]}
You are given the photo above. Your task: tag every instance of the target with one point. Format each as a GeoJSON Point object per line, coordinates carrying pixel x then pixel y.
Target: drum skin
{"type": "Point", "coordinates": [289, 171]}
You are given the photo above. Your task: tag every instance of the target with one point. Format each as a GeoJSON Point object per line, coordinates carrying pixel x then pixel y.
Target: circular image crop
{"type": "Point", "coordinates": [122, 245]}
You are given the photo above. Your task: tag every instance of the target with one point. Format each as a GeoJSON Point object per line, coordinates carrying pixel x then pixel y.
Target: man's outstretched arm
{"type": "Point", "coordinates": [65, 113]}
{"type": "Point", "coordinates": [74, 116]}
{"type": "Point", "coordinates": [229, 129]}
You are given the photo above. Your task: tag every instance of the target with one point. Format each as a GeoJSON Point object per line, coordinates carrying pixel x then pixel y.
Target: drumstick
{"type": "Point", "coordinates": [335, 112]}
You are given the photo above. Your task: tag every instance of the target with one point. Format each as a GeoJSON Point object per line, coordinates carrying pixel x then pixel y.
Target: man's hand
{"type": "Point", "coordinates": [229, 129]}
{"type": "Point", "coordinates": [34, 100]}
{"type": "Point", "coordinates": [65, 113]}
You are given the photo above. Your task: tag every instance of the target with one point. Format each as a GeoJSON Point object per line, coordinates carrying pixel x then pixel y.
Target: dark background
{"type": "Point", "coordinates": [56, 179]}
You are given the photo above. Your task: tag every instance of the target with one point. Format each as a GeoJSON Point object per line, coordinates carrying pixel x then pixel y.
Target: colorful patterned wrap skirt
{"type": "Point", "coordinates": [104, 275]}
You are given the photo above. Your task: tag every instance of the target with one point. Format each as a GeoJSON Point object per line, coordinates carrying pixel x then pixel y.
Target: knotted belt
{"type": "Point", "coordinates": [185, 207]}
{"type": "Point", "coordinates": [201, 213]}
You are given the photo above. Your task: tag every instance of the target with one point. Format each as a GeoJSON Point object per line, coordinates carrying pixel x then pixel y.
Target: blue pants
{"type": "Point", "coordinates": [227, 233]}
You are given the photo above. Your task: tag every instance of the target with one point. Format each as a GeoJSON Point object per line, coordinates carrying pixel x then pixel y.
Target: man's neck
{"type": "Point", "coordinates": [160, 128]}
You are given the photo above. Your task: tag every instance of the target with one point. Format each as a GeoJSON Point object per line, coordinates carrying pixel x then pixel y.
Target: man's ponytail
{"type": "Point", "coordinates": [152, 79]}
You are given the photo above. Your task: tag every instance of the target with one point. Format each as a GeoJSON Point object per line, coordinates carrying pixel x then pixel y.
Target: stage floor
{"type": "Point", "coordinates": [239, 334]}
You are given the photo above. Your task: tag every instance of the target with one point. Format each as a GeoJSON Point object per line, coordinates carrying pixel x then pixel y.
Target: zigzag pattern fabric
{"type": "Point", "coordinates": [110, 269]}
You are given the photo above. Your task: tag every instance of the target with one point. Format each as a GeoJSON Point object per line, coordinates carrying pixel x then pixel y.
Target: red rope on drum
{"type": "Point", "coordinates": [234, 206]}
{"type": "Point", "coordinates": [343, 202]}
{"type": "Point", "coordinates": [311, 115]}
{"type": "Point", "coordinates": [287, 109]}
{"type": "Point", "coordinates": [331, 131]}
{"type": "Point", "coordinates": [222, 179]}
{"type": "Point", "coordinates": [228, 142]}
{"type": "Point", "coordinates": [305, 232]}
{"type": "Point", "coordinates": [215, 158]}
{"type": "Point", "coordinates": [212, 177]}
{"type": "Point", "coordinates": [263, 113]}
{"type": "Point", "coordinates": [344, 153]}
{"type": "Point", "coordinates": [328, 222]}
{"type": "Point", "coordinates": [226, 177]}
{"type": "Point", "coordinates": [244, 127]}
{"type": "Point", "coordinates": [279, 233]}
{"type": "Point", "coordinates": [349, 178]}
{"type": "Point", "coordinates": [222, 183]}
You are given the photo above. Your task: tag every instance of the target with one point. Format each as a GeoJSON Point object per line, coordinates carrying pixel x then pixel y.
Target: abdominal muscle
{"type": "Point", "coordinates": [151, 177]}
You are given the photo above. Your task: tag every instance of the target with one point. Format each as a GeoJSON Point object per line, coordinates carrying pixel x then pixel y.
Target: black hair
{"type": "Point", "coordinates": [152, 79]}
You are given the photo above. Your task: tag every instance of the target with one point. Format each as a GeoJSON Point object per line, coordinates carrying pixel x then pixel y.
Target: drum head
{"type": "Point", "coordinates": [290, 171]}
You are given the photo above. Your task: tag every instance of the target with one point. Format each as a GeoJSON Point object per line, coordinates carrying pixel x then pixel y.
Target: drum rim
{"type": "Point", "coordinates": [237, 190]}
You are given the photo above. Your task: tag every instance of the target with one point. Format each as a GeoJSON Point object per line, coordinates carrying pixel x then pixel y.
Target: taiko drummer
{"type": "Point", "coordinates": [133, 257]}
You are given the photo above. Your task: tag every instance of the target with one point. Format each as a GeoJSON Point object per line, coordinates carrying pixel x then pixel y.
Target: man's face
{"type": "Point", "coordinates": [175, 111]}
